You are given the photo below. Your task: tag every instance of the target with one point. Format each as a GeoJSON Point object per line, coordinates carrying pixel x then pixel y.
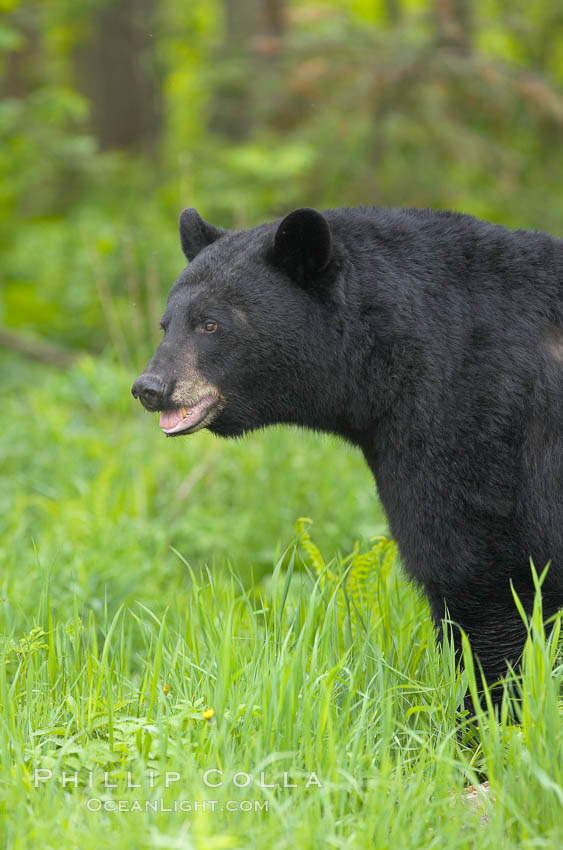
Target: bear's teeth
{"type": "Point", "coordinates": [184, 412]}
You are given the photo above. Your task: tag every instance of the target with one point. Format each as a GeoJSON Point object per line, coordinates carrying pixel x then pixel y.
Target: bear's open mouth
{"type": "Point", "coordinates": [185, 420]}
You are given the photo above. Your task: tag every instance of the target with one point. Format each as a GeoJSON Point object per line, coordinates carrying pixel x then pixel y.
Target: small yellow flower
{"type": "Point", "coordinates": [208, 713]}
{"type": "Point", "coordinates": [166, 689]}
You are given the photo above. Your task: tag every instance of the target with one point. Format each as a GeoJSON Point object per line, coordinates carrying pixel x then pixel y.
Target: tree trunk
{"type": "Point", "coordinates": [23, 68]}
{"type": "Point", "coordinates": [393, 11]}
{"type": "Point", "coordinates": [454, 19]}
{"type": "Point", "coordinates": [115, 67]}
{"type": "Point", "coordinates": [252, 40]}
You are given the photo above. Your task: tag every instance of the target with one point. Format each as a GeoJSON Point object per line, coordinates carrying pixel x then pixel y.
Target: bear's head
{"type": "Point", "coordinates": [252, 329]}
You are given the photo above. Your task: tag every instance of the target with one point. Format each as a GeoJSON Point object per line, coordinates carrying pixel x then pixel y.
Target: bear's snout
{"type": "Point", "coordinates": [150, 391]}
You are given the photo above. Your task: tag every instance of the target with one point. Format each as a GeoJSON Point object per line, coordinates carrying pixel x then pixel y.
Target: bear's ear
{"type": "Point", "coordinates": [195, 233]}
{"type": "Point", "coordinates": [302, 244]}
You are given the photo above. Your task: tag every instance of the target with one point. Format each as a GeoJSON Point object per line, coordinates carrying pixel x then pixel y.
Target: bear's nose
{"type": "Point", "coordinates": [150, 390]}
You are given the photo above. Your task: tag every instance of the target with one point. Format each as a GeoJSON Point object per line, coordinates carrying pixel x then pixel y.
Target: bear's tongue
{"type": "Point", "coordinates": [181, 418]}
{"type": "Point", "coordinates": [170, 418]}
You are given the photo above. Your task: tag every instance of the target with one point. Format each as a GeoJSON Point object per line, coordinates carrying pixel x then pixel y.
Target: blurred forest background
{"type": "Point", "coordinates": [115, 114]}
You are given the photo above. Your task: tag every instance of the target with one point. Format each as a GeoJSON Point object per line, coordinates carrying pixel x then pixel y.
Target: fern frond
{"type": "Point", "coordinates": [357, 581]}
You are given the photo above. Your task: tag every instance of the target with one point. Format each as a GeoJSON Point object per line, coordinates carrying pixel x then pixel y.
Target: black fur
{"type": "Point", "coordinates": [195, 233]}
{"type": "Point", "coordinates": [431, 340]}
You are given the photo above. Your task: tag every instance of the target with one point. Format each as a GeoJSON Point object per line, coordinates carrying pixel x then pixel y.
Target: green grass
{"type": "Point", "coordinates": [94, 493]}
{"type": "Point", "coordinates": [160, 614]}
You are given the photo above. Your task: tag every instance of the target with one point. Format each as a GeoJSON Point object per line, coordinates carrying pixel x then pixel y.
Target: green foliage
{"type": "Point", "coordinates": [356, 584]}
{"type": "Point", "coordinates": [89, 483]}
{"type": "Point", "coordinates": [122, 653]}
{"type": "Point", "coordinates": [361, 103]}
{"type": "Point", "coordinates": [136, 705]}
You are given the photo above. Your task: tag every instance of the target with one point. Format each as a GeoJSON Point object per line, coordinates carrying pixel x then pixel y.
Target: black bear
{"type": "Point", "coordinates": [431, 340]}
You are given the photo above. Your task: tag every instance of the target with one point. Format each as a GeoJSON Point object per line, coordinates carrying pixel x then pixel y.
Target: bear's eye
{"type": "Point", "coordinates": [210, 326]}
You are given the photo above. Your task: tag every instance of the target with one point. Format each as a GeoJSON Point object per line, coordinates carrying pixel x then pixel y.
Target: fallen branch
{"type": "Point", "coordinates": [37, 349]}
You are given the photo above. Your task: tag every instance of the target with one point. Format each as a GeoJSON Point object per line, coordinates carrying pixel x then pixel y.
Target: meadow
{"type": "Point", "coordinates": [183, 665]}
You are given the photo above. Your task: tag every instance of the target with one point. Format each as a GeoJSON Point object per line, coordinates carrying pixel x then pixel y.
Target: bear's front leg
{"type": "Point", "coordinates": [492, 622]}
